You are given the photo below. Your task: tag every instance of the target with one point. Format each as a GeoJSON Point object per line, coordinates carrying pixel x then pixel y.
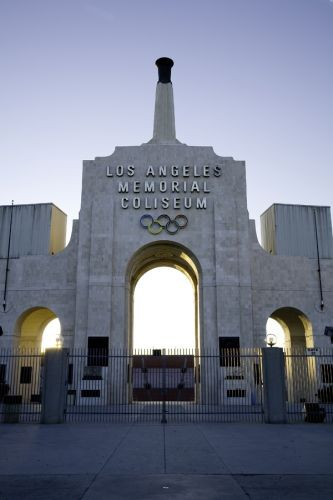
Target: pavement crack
{"type": "Point", "coordinates": [164, 450]}
{"type": "Point", "coordinates": [106, 462]}
{"type": "Point", "coordinates": [214, 449]}
{"type": "Point", "coordinates": [230, 474]}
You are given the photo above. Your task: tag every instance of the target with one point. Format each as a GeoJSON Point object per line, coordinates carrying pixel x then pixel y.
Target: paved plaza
{"type": "Point", "coordinates": [192, 461]}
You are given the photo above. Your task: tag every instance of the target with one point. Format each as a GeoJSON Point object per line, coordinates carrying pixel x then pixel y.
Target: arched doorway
{"type": "Point", "coordinates": [38, 328]}
{"type": "Point", "coordinates": [164, 254]}
{"type": "Point", "coordinates": [296, 337]}
{"type": "Point", "coordinates": [161, 372]}
{"type": "Point", "coordinates": [169, 322]}
{"type": "Point", "coordinates": [293, 325]}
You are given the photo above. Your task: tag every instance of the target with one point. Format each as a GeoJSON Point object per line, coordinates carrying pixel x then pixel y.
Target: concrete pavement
{"type": "Point", "coordinates": [194, 461]}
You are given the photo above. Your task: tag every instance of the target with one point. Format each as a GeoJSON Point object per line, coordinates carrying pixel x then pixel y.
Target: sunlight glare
{"type": "Point", "coordinates": [274, 327]}
{"type": "Point", "coordinates": [164, 310]}
{"type": "Point", "coordinates": [51, 335]}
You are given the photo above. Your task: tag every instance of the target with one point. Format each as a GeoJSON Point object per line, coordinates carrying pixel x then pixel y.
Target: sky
{"type": "Point", "coordinates": [252, 78]}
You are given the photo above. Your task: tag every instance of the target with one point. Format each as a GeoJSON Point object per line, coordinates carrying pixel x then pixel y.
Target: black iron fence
{"type": "Point", "coordinates": [168, 386]}
{"type": "Point", "coordinates": [309, 384]}
{"type": "Point", "coordinates": [21, 373]}
{"type": "Point", "coordinates": [165, 386]}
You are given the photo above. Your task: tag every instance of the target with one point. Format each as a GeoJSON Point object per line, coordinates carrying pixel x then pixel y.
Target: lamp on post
{"type": "Point", "coordinates": [58, 342]}
{"type": "Point", "coordinates": [270, 339]}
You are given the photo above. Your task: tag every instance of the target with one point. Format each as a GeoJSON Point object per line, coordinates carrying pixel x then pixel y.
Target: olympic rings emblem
{"type": "Point", "coordinates": [156, 226]}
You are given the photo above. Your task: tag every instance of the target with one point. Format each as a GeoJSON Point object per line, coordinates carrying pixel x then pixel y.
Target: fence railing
{"type": "Point", "coordinates": [167, 386]}
{"type": "Point", "coordinates": [173, 386]}
{"type": "Point", "coordinates": [309, 384]}
{"type": "Point", "coordinates": [21, 373]}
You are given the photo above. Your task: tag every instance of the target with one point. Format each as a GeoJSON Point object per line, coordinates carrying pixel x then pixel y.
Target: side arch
{"type": "Point", "coordinates": [296, 326]}
{"type": "Point", "coordinates": [30, 325]}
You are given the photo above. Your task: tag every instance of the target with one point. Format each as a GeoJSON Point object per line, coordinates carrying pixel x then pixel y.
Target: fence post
{"type": "Point", "coordinates": [274, 385]}
{"type": "Point", "coordinates": [54, 388]}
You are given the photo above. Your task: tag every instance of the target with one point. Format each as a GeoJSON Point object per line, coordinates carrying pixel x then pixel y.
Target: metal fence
{"type": "Point", "coordinates": [20, 385]}
{"type": "Point", "coordinates": [168, 386]}
{"type": "Point", "coordinates": [309, 385]}
{"type": "Point", "coordinates": [165, 386]}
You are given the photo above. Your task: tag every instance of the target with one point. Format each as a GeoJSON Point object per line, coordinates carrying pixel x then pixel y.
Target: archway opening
{"type": "Point", "coordinates": [296, 330]}
{"type": "Point", "coordinates": [38, 328]}
{"type": "Point", "coordinates": [291, 328]}
{"type": "Point", "coordinates": [163, 365]}
{"type": "Point", "coordinates": [164, 310]}
{"type": "Point", "coordinates": [166, 268]}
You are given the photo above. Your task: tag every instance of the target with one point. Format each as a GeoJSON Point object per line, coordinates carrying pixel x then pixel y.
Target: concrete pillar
{"type": "Point", "coordinates": [54, 388]}
{"type": "Point", "coordinates": [274, 385]}
{"type": "Point", "coordinates": [164, 116]}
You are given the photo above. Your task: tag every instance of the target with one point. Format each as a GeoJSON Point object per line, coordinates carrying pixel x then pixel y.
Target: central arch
{"type": "Point", "coordinates": [163, 254]}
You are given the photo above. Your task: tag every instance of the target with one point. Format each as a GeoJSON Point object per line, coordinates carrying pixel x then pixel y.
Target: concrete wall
{"type": "Point", "coordinates": [110, 235]}
{"type": "Point", "coordinates": [47, 281]}
{"type": "Point", "coordinates": [58, 230]}
{"type": "Point", "coordinates": [282, 281]}
{"type": "Point", "coordinates": [295, 230]}
{"type": "Point", "coordinates": [36, 230]}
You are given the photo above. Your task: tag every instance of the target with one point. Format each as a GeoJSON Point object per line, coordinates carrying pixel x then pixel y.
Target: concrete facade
{"type": "Point", "coordinates": [89, 285]}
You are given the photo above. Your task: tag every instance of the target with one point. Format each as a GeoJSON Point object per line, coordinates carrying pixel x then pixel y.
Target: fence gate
{"type": "Point", "coordinates": [174, 386]}
{"type": "Point", "coordinates": [309, 385]}
{"type": "Point", "coordinates": [20, 386]}
{"type": "Point", "coordinates": [158, 386]}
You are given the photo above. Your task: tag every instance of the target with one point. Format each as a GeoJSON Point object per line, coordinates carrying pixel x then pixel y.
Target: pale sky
{"type": "Point", "coordinates": [252, 78]}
